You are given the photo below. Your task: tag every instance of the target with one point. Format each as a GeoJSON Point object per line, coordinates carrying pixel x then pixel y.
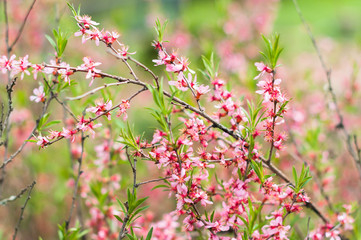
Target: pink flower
{"type": "Point", "coordinates": [262, 68]}
{"type": "Point", "coordinates": [94, 35]}
{"type": "Point", "coordinates": [110, 37]}
{"type": "Point", "coordinates": [178, 182]}
{"type": "Point", "coordinates": [276, 228]}
{"type": "Point", "coordinates": [123, 108]}
{"type": "Point", "coordinates": [85, 21]}
{"type": "Point", "coordinates": [346, 220]}
{"type": "Point", "coordinates": [333, 235]}
{"type": "Point", "coordinates": [201, 90]}
{"type": "Point", "coordinates": [37, 68]}
{"type": "Point", "coordinates": [39, 95]}
{"type": "Point", "coordinates": [124, 51]}
{"type": "Point", "coordinates": [101, 108]}
{"type": "Point", "coordinates": [21, 66]}
{"type": "Point", "coordinates": [90, 65]}
{"type": "Point", "coordinates": [42, 141]}
{"type": "Point", "coordinates": [70, 134]}
{"type": "Point", "coordinates": [65, 72]}
{"type": "Point", "coordinates": [54, 134]}
{"type": "Point", "coordinates": [6, 64]}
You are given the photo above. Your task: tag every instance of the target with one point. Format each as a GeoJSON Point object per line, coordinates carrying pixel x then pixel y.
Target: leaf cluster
{"type": "Point", "coordinates": [74, 233]}
{"type": "Point", "coordinates": [250, 224]}
{"type": "Point", "coordinates": [160, 29]}
{"type": "Point", "coordinates": [302, 180]}
{"type": "Point", "coordinates": [59, 41]}
{"type": "Point", "coordinates": [132, 209]}
{"type": "Point", "coordinates": [273, 50]}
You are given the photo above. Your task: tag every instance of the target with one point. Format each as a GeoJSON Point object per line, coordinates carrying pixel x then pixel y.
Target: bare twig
{"type": "Point", "coordinates": [9, 159]}
{"type": "Point", "coordinates": [273, 121]}
{"type": "Point", "coordinates": [308, 228]}
{"type": "Point", "coordinates": [145, 69]}
{"type": "Point", "coordinates": [151, 181]}
{"type": "Point", "coordinates": [356, 157]}
{"type": "Point", "coordinates": [94, 91]}
{"type": "Point", "coordinates": [14, 197]}
{"type": "Point", "coordinates": [23, 209]}
{"type": "Point", "coordinates": [123, 230]}
{"type": "Point", "coordinates": [21, 27]}
{"type": "Point", "coordinates": [75, 192]}
{"type": "Point", "coordinates": [280, 174]}
{"type": "Point", "coordinates": [6, 27]}
{"type": "Point", "coordinates": [315, 176]}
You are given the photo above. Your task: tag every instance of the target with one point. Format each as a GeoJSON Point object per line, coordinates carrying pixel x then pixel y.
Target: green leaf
{"type": "Point", "coordinates": [51, 41]}
{"type": "Point", "coordinates": [149, 235]}
{"type": "Point", "coordinates": [119, 218]}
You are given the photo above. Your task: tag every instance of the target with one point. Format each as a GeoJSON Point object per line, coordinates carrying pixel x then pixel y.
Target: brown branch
{"type": "Point", "coordinates": [94, 91]}
{"type": "Point", "coordinates": [356, 157]}
{"type": "Point", "coordinates": [280, 174]}
{"type": "Point", "coordinates": [273, 120]}
{"type": "Point", "coordinates": [8, 160]}
{"type": "Point", "coordinates": [14, 197]}
{"type": "Point", "coordinates": [123, 230]}
{"type": "Point", "coordinates": [10, 48]}
{"type": "Point", "coordinates": [23, 209]}
{"type": "Point", "coordinates": [6, 28]}
{"type": "Point", "coordinates": [151, 181]}
{"type": "Point", "coordinates": [75, 192]}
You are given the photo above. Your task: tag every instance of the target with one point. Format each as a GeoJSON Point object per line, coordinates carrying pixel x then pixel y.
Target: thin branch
{"type": "Point", "coordinates": [94, 91]}
{"type": "Point", "coordinates": [99, 116]}
{"type": "Point", "coordinates": [9, 91]}
{"type": "Point", "coordinates": [6, 27]}
{"type": "Point", "coordinates": [116, 54]}
{"type": "Point", "coordinates": [22, 27]}
{"type": "Point", "coordinates": [199, 218]}
{"type": "Point", "coordinates": [14, 197]}
{"type": "Point", "coordinates": [308, 228]}
{"type": "Point", "coordinates": [8, 160]}
{"type": "Point", "coordinates": [23, 209]}
{"type": "Point", "coordinates": [151, 181]}
{"type": "Point", "coordinates": [123, 230]}
{"type": "Point", "coordinates": [273, 121]}
{"type": "Point", "coordinates": [145, 69]}
{"type": "Point", "coordinates": [75, 192]}
{"type": "Point", "coordinates": [340, 125]}
{"type": "Point", "coordinates": [65, 107]}
{"type": "Point", "coordinates": [280, 174]}
{"type": "Point", "coordinates": [315, 176]}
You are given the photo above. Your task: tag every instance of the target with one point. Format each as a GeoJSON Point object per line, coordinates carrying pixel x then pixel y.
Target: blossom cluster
{"type": "Point", "coordinates": [211, 162]}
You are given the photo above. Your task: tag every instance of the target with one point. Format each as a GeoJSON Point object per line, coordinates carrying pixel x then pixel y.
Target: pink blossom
{"type": "Point", "coordinates": [346, 220]}
{"type": "Point", "coordinates": [39, 95]}
{"type": "Point", "coordinates": [179, 182]}
{"type": "Point", "coordinates": [276, 228]}
{"type": "Point", "coordinates": [95, 35]}
{"type": "Point", "coordinates": [69, 133]}
{"type": "Point", "coordinates": [21, 66]}
{"type": "Point", "coordinates": [6, 64]}
{"type": "Point", "coordinates": [42, 141]}
{"type": "Point", "coordinates": [123, 109]}
{"type": "Point", "coordinates": [90, 65]}
{"type": "Point", "coordinates": [123, 51]}
{"type": "Point", "coordinates": [201, 90]}
{"type": "Point", "coordinates": [101, 108]}
{"type": "Point", "coordinates": [333, 235]}
{"type": "Point", "coordinates": [110, 37]}
{"type": "Point", "coordinates": [85, 21]}
{"type": "Point", "coordinates": [262, 68]}
{"type": "Point", "coordinates": [37, 68]}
